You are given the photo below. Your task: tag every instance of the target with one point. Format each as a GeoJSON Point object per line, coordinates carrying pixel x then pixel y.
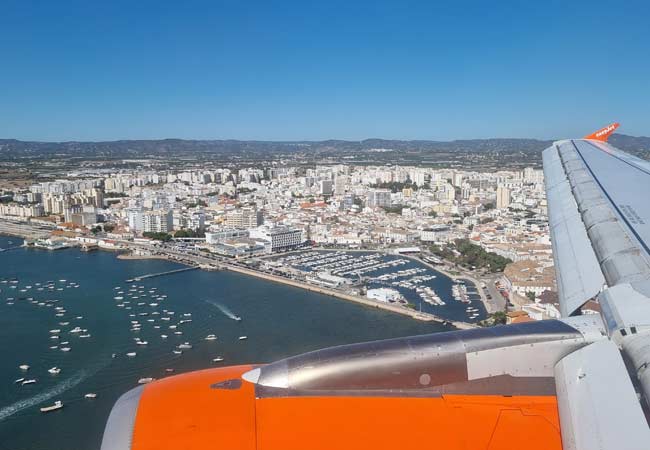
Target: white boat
{"type": "Point", "coordinates": [210, 337]}
{"type": "Point", "coordinates": [177, 352]}
{"type": "Point", "coordinates": [185, 345]}
{"type": "Point", "coordinates": [217, 359]}
{"type": "Point", "coordinates": [65, 349]}
{"type": "Point", "coordinates": [23, 367]}
{"type": "Point", "coordinates": [145, 380]}
{"type": "Point", "coordinates": [142, 342]}
{"type": "Point", "coordinates": [57, 405]}
{"type": "Point", "coordinates": [84, 335]}
{"type": "Point", "coordinates": [164, 336]}
{"type": "Point", "coordinates": [19, 380]}
{"type": "Point", "coordinates": [243, 338]}
{"type": "Point", "coordinates": [131, 354]}
{"type": "Point", "coordinates": [55, 331]}
{"type": "Point", "coordinates": [90, 395]}
{"type": "Point", "coordinates": [54, 370]}
{"type": "Point", "coordinates": [24, 382]}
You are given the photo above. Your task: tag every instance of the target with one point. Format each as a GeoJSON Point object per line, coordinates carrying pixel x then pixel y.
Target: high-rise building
{"type": "Point", "coordinates": [326, 187]}
{"type": "Point", "coordinates": [503, 197]}
{"type": "Point", "coordinates": [379, 198]}
{"type": "Point", "coordinates": [247, 217]}
{"type": "Point", "coordinates": [159, 221]}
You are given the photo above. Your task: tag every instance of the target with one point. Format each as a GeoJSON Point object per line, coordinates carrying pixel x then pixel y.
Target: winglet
{"type": "Point", "coordinates": [604, 133]}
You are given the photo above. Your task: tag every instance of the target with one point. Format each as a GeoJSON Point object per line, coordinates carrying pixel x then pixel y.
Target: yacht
{"type": "Point", "coordinates": [54, 370]}
{"type": "Point", "coordinates": [24, 382]}
{"type": "Point", "coordinates": [65, 349]}
{"type": "Point", "coordinates": [90, 395]}
{"type": "Point", "coordinates": [210, 337]}
{"type": "Point", "coordinates": [185, 345]}
{"type": "Point", "coordinates": [243, 338]}
{"type": "Point", "coordinates": [131, 354]}
{"type": "Point", "coordinates": [145, 380]}
{"type": "Point", "coordinates": [24, 367]}
{"type": "Point", "coordinates": [19, 380]}
{"type": "Point", "coordinates": [218, 359]}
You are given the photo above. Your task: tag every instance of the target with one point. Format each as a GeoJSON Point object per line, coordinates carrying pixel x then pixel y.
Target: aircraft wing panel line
{"type": "Point", "coordinates": [576, 283]}
{"type": "Point", "coordinates": [609, 231]}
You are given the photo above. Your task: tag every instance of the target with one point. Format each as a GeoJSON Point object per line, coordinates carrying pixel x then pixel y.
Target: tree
{"type": "Point", "coordinates": [531, 296]}
{"type": "Point", "coordinates": [164, 237]}
{"type": "Point", "coordinates": [433, 214]}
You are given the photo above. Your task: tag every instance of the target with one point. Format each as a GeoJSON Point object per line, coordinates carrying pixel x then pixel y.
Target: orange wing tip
{"type": "Point", "coordinates": [604, 133]}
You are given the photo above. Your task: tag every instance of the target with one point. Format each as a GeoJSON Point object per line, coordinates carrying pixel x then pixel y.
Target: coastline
{"type": "Point", "coordinates": [223, 265]}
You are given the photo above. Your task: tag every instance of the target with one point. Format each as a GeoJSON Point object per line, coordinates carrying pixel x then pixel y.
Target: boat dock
{"type": "Point", "coordinates": [160, 274]}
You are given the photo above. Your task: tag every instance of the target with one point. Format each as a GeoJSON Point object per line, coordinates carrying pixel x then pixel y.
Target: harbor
{"type": "Point", "coordinates": [212, 318]}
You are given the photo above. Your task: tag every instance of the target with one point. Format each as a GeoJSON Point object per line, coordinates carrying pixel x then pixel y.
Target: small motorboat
{"type": "Point", "coordinates": [90, 395]}
{"type": "Point", "coordinates": [23, 367]}
{"type": "Point", "coordinates": [54, 370]}
{"type": "Point", "coordinates": [145, 380]}
{"type": "Point", "coordinates": [243, 338]}
{"type": "Point", "coordinates": [57, 405]}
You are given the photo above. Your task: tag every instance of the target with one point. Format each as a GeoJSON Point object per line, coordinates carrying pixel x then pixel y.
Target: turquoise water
{"type": "Point", "coordinates": [278, 320]}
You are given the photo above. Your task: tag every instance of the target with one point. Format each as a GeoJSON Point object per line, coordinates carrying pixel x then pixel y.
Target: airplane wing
{"type": "Point", "coordinates": [576, 383]}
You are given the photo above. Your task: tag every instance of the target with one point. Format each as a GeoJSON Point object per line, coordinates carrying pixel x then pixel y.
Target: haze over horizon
{"type": "Point", "coordinates": [298, 71]}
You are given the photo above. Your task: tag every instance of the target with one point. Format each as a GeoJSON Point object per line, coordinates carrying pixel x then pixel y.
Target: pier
{"type": "Point", "coordinates": [160, 274]}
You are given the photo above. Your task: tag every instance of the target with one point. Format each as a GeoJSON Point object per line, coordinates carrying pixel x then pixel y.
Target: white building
{"type": "Point", "coordinates": [248, 217]}
{"type": "Point", "coordinates": [278, 238]}
{"type": "Point", "coordinates": [385, 295]}
{"type": "Point", "coordinates": [158, 221]}
{"type": "Point", "coordinates": [225, 234]}
{"type": "Point", "coordinates": [379, 198]}
{"type": "Point", "coordinates": [503, 197]}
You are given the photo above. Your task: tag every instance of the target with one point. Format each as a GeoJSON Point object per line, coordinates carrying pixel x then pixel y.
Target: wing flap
{"type": "Point", "coordinates": [598, 405]}
{"type": "Point", "coordinates": [576, 283]}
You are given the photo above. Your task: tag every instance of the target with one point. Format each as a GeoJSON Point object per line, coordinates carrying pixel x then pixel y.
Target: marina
{"type": "Point", "coordinates": [420, 286]}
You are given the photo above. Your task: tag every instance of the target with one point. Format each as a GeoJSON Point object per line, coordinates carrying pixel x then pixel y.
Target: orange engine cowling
{"type": "Point", "coordinates": [217, 409]}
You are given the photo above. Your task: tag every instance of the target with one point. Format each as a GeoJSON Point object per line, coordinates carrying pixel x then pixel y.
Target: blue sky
{"type": "Point", "coordinates": [295, 70]}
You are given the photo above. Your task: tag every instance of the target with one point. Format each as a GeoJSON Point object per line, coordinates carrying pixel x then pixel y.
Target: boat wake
{"type": "Point", "coordinates": [224, 309]}
{"type": "Point", "coordinates": [58, 389]}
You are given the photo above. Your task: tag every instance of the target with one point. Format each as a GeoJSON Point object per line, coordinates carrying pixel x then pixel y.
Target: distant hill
{"type": "Point", "coordinates": [531, 148]}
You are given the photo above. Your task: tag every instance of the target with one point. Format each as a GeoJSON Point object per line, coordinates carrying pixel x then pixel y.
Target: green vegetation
{"type": "Point", "coordinates": [498, 318]}
{"type": "Point", "coordinates": [165, 237]}
{"type": "Point", "coordinates": [395, 186]}
{"type": "Point", "coordinates": [531, 296]}
{"type": "Point", "coordinates": [469, 255]}
{"type": "Point", "coordinates": [433, 214]}
{"type": "Point", "coordinates": [189, 234]}
{"type": "Point", "coordinates": [393, 209]}
{"type": "Point", "coordinates": [488, 206]}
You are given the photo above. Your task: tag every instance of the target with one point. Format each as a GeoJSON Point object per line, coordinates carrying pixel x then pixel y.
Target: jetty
{"type": "Point", "coordinates": [160, 274]}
